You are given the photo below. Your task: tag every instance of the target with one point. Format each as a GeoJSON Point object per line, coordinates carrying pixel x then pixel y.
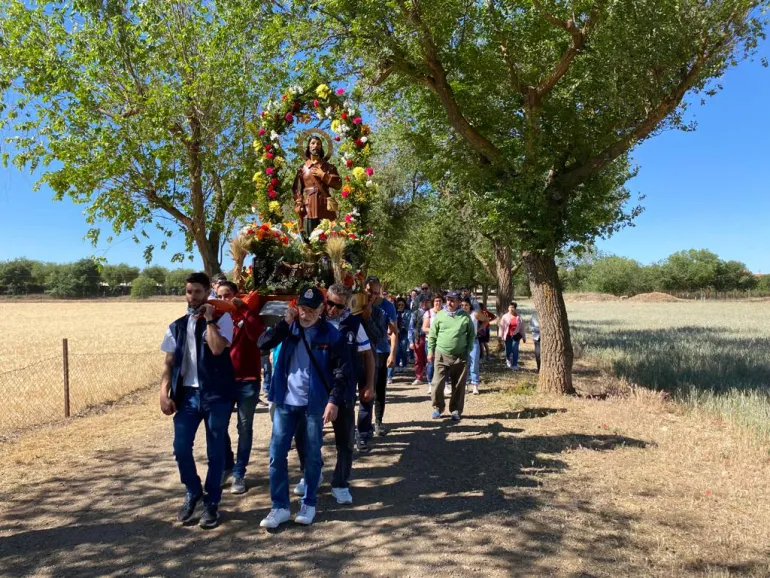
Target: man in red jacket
{"type": "Point", "coordinates": [248, 366]}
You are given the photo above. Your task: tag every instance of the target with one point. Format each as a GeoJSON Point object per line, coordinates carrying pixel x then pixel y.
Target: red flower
{"type": "Point", "coordinates": [316, 103]}
{"type": "Point", "coordinates": [269, 170]}
{"type": "Point", "coordinates": [264, 227]}
{"type": "Point", "coordinates": [250, 232]}
{"type": "Point", "coordinates": [370, 232]}
{"type": "Point", "coordinates": [337, 138]}
{"type": "Point", "coordinates": [289, 117]}
{"type": "Point", "coordinates": [276, 234]}
{"type": "Point", "coordinates": [347, 178]}
{"type": "Point", "coordinates": [358, 142]}
{"type": "Point", "coordinates": [340, 91]}
{"type": "Point", "coordinates": [345, 193]}
{"type": "Point", "coordinates": [269, 155]}
{"type": "Point", "coordinates": [268, 146]}
{"type": "Point", "coordinates": [284, 97]}
{"type": "Point", "coordinates": [261, 131]}
{"type": "Point", "coordinates": [370, 171]}
{"type": "Point", "coordinates": [273, 182]}
{"type": "Point", "coordinates": [344, 116]}
{"type": "Point", "coordinates": [262, 114]}
{"type": "Point", "coordinates": [322, 237]}
{"type": "Point", "coordinates": [357, 120]}
{"type": "Point", "coordinates": [251, 267]}
{"type": "Point", "coordinates": [272, 194]}
{"type": "Point", "coordinates": [296, 105]}
{"type": "Point", "coordinates": [349, 163]}
{"type": "Point", "coordinates": [285, 240]}
{"type": "Point", "coordinates": [353, 236]}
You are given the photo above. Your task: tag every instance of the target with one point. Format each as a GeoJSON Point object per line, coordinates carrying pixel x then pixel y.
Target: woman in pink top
{"type": "Point", "coordinates": [511, 331]}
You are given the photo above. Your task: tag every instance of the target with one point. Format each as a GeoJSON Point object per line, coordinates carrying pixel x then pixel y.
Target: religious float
{"type": "Point", "coordinates": [311, 223]}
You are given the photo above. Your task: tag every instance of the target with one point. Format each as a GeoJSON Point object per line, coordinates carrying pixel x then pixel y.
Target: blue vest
{"type": "Point", "coordinates": [216, 376]}
{"type": "Point", "coordinates": [349, 330]}
{"type": "Point", "coordinates": [326, 348]}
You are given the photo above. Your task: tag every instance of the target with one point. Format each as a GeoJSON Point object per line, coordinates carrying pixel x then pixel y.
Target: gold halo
{"type": "Point", "coordinates": [305, 136]}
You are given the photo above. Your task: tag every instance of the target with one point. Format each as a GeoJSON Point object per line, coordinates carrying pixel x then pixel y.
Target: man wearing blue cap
{"type": "Point", "coordinates": [310, 377]}
{"type": "Point", "coordinates": [450, 342]}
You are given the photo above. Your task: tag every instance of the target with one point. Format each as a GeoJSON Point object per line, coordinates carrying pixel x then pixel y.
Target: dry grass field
{"type": "Point", "coordinates": [113, 348]}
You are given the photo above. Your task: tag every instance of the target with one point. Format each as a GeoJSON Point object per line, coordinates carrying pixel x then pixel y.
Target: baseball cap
{"type": "Point", "coordinates": [452, 295]}
{"type": "Point", "coordinates": [310, 296]}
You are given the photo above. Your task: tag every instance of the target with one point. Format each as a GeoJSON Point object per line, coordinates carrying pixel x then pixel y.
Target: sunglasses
{"type": "Point", "coordinates": [339, 306]}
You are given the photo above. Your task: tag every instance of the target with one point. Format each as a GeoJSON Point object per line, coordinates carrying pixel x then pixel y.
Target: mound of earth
{"type": "Point", "coordinates": [588, 297]}
{"type": "Point", "coordinates": [655, 297]}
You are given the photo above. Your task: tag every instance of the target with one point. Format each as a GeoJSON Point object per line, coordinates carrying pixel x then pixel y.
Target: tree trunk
{"type": "Point", "coordinates": [504, 286]}
{"type": "Point", "coordinates": [209, 252]}
{"type": "Point", "coordinates": [555, 342]}
{"type": "Point", "coordinates": [484, 294]}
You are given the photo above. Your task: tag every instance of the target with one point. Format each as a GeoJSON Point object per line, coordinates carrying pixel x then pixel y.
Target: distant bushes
{"type": "Point", "coordinates": [685, 271]}
{"type": "Point", "coordinates": [84, 278]}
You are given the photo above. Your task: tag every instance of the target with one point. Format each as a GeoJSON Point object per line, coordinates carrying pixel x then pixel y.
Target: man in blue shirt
{"type": "Point", "coordinates": [310, 379]}
{"type": "Point", "coordinates": [384, 357]}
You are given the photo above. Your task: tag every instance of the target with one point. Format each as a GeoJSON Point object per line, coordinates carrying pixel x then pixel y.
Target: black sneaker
{"type": "Point", "coordinates": [379, 429]}
{"type": "Point", "coordinates": [239, 486]}
{"type": "Point", "coordinates": [187, 511]}
{"type": "Point", "coordinates": [210, 516]}
{"type": "Point", "coordinates": [363, 445]}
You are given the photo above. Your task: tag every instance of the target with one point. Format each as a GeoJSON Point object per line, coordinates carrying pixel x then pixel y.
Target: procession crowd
{"type": "Point", "coordinates": [315, 365]}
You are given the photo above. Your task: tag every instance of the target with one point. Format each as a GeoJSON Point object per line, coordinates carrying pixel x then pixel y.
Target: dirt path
{"type": "Point", "coordinates": [525, 485]}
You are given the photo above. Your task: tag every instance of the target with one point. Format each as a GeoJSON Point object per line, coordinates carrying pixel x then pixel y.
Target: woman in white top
{"type": "Point", "coordinates": [427, 322]}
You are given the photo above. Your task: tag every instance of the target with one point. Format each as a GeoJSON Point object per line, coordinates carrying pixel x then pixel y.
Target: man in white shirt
{"type": "Point", "coordinates": [198, 384]}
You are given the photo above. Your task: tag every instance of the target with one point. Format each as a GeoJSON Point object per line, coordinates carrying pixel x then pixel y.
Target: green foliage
{"type": "Point", "coordinates": [78, 279]}
{"type": "Point", "coordinates": [175, 281]}
{"type": "Point", "coordinates": [115, 275]}
{"type": "Point", "coordinates": [156, 272]}
{"type": "Point", "coordinates": [138, 110]}
{"type": "Point", "coordinates": [616, 275]}
{"type": "Point", "coordinates": [22, 277]}
{"type": "Point", "coordinates": [144, 286]}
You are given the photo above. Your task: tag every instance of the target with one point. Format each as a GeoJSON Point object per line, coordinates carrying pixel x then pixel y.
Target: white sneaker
{"type": "Point", "coordinates": [447, 390]}
{"type": "Point", "coordinates": [417, 382]}
{"type": "Point", "coordinates": [475, 389]}
{"type": "Point", "coordinates": [342, 495]}
{"type": "Point", "coordinates": [305, 515]}
{"type": "Point", "coordinates": [275, 518]}
{"type": "Point", "coordinates": [430, 389]}
{"type": "Point", "coordinates": [508, 363]}
{"type": "Point", "coordinates": [299, 489]}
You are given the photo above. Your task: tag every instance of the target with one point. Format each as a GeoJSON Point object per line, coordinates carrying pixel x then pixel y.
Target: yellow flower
{"type": "Point", "coordinates": [258, 178]}
{"type": "Point", "coordinates": [336, 125]}
{"type": "Point", "coordinates": [274, 206]}
{"type": "Point", "coordinates": [278, 162]}
{"type": "Point", "coordinates": [257, 146]}
{"type": "Point", "coordinates": [359, 173]}
{"type": "Point", "coordinates": [323, 91]}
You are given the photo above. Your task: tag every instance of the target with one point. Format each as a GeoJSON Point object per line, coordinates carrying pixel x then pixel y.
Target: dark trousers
{"type": "Point", "coordinates": [537, 354]}
{"type": "Point", "coordinates": [380, 388]}
{"type": "Point", "coordinates": [344, 438]}
{"type": "Point", "coordinates": [456, 369]}
{"type": "Point", "coordinates": [248, 394]}
{"type": "Point", "coordinates": [188, 417]}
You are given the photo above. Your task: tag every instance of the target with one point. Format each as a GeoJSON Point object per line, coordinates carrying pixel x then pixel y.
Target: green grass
{"type": "Point", "coordinates": [710, 356]}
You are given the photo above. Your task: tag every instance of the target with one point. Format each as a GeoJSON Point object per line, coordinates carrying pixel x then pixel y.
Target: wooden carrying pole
{"type": "Point", "coordinates": [66, 376]}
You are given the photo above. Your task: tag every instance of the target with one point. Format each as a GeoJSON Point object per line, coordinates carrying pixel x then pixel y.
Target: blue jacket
{"type": "Point", "coordinates": [216, 377]}
{"type": "Point", "coordinates": [329, 351]}
{"type": "Point", "coordinates": [349, 329]}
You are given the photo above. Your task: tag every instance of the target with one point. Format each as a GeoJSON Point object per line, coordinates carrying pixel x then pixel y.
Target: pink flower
{"type": "Point", "coordinates": [357, 120]}
{"type": "Point", "coordinates": [348, 218]}
{"type": "Point", "coordinates": [316, 103]}
{"type": "Point", "coordinates": [340, 91]}
{"type": "Point", "coordinates": [370, 171]}
{"type": "Point", "coordinates": [272, 194]}
{"type": "Point", "coordinates": [261, 131]}
{"type": "Point", "coordinates": [269, 155]}
{"type": "Point", "coordinates": [345, 193]}
{"type": "Point", "coordinates": [289, 117]}
{"type": "Point", "coordinates": [269, 170]}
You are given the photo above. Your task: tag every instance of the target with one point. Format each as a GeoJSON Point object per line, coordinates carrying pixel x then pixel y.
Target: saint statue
{"type": "Point", "coordinates": [312, 200]}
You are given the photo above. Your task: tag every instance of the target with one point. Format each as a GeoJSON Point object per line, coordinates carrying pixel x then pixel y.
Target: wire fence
{"type": "Point", "coordinates": [66, 385]}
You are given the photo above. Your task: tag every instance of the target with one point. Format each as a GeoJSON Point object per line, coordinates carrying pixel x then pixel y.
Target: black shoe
{"type": "Point", "coordinates": [363, 445]}
{"type": "Point", "coordinates": [239, 486]}
{"type": "Point", "coordinates": [187, 511]}
{"type": "Point", "coordinates": [379, 429]}
{"type": "Point", "coordinates": [210, 516]}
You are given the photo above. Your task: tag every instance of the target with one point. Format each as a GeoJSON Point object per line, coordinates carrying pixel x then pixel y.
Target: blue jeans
{"type": "Point", "coordinates": [512, 351]}
{"type": "Point", "coordinates": [286, 420]}
{"type": "Point", "coordinates": [186, 421]}
{"type": "Point", "coordinates": [402, 353]}
{"type": "Point", "coordinates": [429, 364]}
{"type": "Point", "coordinates": [474, 359]}
{"type": "Point", "coordinates": [267, 368]}
{"type": "Point", "coordinates": [247, 405]}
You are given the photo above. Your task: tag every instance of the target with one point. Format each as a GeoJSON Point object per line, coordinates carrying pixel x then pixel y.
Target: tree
{"type": "Point", "coordinates": [544, 103]}
{"type": "Point", "coordinates": [21, 277]}
{"type": "Point", "coordinates": [144, 286]}
{"type": "Point", "coordinates": [139, 110]}
{"type": "Point", "coordinates": [615, 275]}
{"type": "Point", "coordinates": [175, 281]}
{"type": "Point", "coordinates": [156, 272]}
{"type": "Point", "coordinates": [78, 279]}
{"type": "Point", "coordinates": [691, 270]}
{"type": "Point", "coordinates": [115, 275]}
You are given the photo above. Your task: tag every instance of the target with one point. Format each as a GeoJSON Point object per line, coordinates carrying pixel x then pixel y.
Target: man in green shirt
{"type": "Point", "coordinates": [449, 343]}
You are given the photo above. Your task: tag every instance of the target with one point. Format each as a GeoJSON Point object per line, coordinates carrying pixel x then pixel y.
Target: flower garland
{"type": "Point", "coordinates": [297, 105]}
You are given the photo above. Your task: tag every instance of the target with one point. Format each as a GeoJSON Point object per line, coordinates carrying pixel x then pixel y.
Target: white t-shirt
{"type": "Point", "coordinates": [190, 361]}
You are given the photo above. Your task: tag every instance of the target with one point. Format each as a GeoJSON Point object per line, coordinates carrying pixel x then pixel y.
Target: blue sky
{"type": "Point", "coordinates": [707, 189]}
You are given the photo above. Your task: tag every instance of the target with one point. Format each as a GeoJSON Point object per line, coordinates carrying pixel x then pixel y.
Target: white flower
{"type": "Point", "coordinates": [294, 90]}
{"type": "Point", "coordinates": [274, 135]}
{"type": "Point", "coordinates": [245, 229]}
{"type": "Point", "coordinates": [319, 115]}
{"type": "Point", "coordinates": [355, 213]}
{"type": "Point", "coordinates": [352, 112]}
{"type": "Point", "coordinates": [369, 184]}
{"type": "Point", "coordinates": [316, 233]}
{"type": "Point", "coordinates": [347, 104]}
{"type": "Point", "coordinates": [364, 139]}
{"type": "Point", "coordinates": [343, 128]}
{"type": "Point", "coordinates": [328, 111]}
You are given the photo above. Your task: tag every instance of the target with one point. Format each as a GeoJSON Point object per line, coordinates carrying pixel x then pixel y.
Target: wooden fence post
{"type": "Point", "coordinates": [66, 376]}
